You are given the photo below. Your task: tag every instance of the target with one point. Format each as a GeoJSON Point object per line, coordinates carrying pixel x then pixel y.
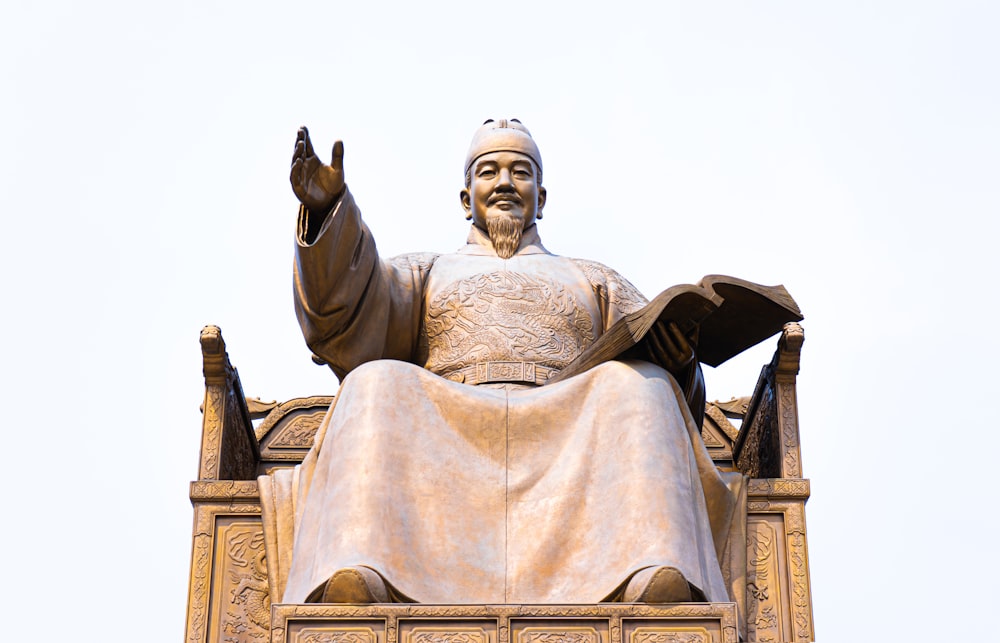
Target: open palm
{"type": "Point", "coordinates": [316, 184]}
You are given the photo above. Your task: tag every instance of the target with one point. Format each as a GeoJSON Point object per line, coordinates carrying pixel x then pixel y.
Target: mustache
{"type": "Point", "coordinates": [505, 196]}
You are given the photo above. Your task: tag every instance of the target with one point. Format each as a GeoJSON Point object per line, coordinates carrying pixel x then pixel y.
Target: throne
{"type": "Point", "coordinates": [229, 599]}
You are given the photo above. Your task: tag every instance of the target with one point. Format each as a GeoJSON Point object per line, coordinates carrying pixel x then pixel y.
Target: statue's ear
{"type": "Point", "coordinates": [466, 198]}
{"type": "Point", "coordinates": [542, 194]}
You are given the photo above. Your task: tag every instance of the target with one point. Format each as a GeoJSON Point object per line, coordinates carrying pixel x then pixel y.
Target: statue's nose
{"type": "Point", "coordinates": [505, 178]}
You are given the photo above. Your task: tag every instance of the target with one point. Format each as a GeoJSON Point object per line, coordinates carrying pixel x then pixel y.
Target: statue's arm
{"type": "Point", "coordinates": [351, 306]}
{"type": "Point", "coordinates": [692, 382]}
{"type": "Point", "coordinates": [666, 345]}
{"type": "Point", "coordinates": [341, 298]}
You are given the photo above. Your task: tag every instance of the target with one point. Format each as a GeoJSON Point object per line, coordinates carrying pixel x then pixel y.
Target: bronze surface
{"type": "Point", "coordinates": [501, 312]}
{"type": "Point", "coordinates": [449, 468]}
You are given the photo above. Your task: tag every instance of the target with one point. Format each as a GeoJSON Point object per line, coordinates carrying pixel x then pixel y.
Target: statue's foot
{"type": "Point", "coordinates": [660, 585]}
{"type": "Point", "coordinates": [351, 585]}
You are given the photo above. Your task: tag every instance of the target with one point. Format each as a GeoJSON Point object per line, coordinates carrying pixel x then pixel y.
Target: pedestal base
{"type": "Point", "coordinates": [417, 623]}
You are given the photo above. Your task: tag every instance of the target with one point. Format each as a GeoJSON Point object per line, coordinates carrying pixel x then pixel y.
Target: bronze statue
{"type": "Point", "coordinates": [447, 470]}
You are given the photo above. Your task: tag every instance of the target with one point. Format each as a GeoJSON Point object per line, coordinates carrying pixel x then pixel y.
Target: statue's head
{"type": "Point", "coordinates": [503, 192]}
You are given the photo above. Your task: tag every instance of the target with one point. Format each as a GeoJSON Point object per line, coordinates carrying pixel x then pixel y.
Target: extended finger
{"type": "Point", "coordinates": [300, 149]}
{"type": "Point", "coordinates": [308, 141]}
{"type": "Point", "coordinates": [660, 348]}
{"type": "Point", "coordinates": [337, 163]}
{"type": "Point", "coordinates": [298, 141]}
{"type": "Point", "coordinates": [681, 342]}
{"type": "Point", "coordinates": [676, 353]}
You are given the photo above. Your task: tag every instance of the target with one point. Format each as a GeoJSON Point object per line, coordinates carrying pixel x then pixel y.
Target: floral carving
{"type": "Point", "coordinates": [458, 610]}
{"type": "Point", "coordinates": [329, 611]}
{"type": "Point", "coordinates": [670, 637]}
{"type": "Point", "coordinates": [602, 623]}
{"type": "Point", "coordinates": [710, 610]}
{"type": "Point", "coordinates": [794, 517]}
{"type": "Point", "coordinates": [316, 403]}
{"type": "Point", "coordinates": [778, 488]}
{"type": "Point", "coordinates": [243, 508]}
{"type": "Point", "coordinates": [336, 636]}
{"type": "Point", "coordinates": [199, 587]}
{"type": "Point", "coordinates": [211, 429]}
{"type": "Point", "coordinates": [563, 635]}
{"type": "Point", "coordinates": [448, 636]}
{"type": "Point", "coordinates": [299, 432]}
{"type": "Point", "coordinates": [790, 488]}
{"type": "Point", "coordinates": [790, 431]}
{"type": "Point", "coordinates": [763, 600]}
{"type": "Point", "coordinates": [224, 490]}
{"type": "Point", "coordinates": [800, 582]}
{"type": "Point", "coordinates": [709, 438]}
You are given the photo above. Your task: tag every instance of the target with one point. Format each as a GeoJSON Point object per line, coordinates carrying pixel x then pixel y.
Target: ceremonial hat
{"type": "Point", "coordinates": [503, 136]}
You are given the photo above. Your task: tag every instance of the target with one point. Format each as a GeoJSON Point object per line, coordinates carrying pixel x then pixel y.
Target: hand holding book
{"type": "Point", "coordinates": [727, 315]}
{"type": "Point", "coordinates": [668, 347]}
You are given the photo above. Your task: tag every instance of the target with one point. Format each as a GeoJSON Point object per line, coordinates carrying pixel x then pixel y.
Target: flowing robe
{"type": "Point", "coordinates": [495, 493]}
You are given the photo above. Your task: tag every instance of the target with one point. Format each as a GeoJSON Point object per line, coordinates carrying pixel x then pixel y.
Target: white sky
{"type": "Point", "coordinates": [848, 150]}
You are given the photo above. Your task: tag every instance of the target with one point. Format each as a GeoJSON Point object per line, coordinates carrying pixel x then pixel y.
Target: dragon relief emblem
{"type": "Point", "coordinates": [248, 617]}
{"type": "Point", "coordinates": [503, 316]}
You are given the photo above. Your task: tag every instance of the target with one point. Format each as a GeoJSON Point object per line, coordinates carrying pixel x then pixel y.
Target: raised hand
{"type": "Point", "coordinates": [317, 185]}
{"type": "Point", "coordinates": [668, 347]}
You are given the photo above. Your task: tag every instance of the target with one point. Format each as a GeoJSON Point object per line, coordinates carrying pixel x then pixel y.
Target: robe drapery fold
{"type": "Point", "coordinates": [500, 495]}
{"type": "Point", "coordinates": [492, 493]}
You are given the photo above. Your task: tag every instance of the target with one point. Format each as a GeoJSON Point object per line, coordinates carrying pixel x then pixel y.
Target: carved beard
{"type": "Point", "coordinates": [505, 234]}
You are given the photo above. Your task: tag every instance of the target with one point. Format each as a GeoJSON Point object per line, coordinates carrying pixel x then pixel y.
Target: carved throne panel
{"type": "Point", "coordinates": [229, 600]}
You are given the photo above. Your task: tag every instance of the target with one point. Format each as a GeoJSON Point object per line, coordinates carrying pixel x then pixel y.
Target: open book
{"type": "Point", "coordinates": [729, 314]}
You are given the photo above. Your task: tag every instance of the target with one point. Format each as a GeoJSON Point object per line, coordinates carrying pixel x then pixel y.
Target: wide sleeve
{"type": "Point", "coordinates": [352, 306]}
{"type": "Point", "coordinates": [617, 297]}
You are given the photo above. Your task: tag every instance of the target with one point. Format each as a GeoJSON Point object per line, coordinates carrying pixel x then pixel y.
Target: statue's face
{"type": "Point", "coordinates": [504, 184]}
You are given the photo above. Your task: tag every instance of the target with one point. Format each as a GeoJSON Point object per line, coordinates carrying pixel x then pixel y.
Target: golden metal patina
{"type": "Point", "coordinates": [448, 470]}
{"type": "Point", "coordinates": [233, 582]}
{"type": "Point", "coordinates": [487, 488]}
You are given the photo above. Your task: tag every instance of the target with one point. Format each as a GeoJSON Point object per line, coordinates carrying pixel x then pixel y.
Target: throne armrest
{"type": "Point", "coordinates": [768, 442]}
{"type": "Point", "coordinates": [229, 449]}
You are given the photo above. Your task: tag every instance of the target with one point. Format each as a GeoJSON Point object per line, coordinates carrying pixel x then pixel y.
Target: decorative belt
{"type": "Point", "coordinates": [505, 372]}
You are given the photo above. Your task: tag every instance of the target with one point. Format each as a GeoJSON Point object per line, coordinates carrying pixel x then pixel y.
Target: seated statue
{"type": "Point", "coordinates": [447, 470]}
